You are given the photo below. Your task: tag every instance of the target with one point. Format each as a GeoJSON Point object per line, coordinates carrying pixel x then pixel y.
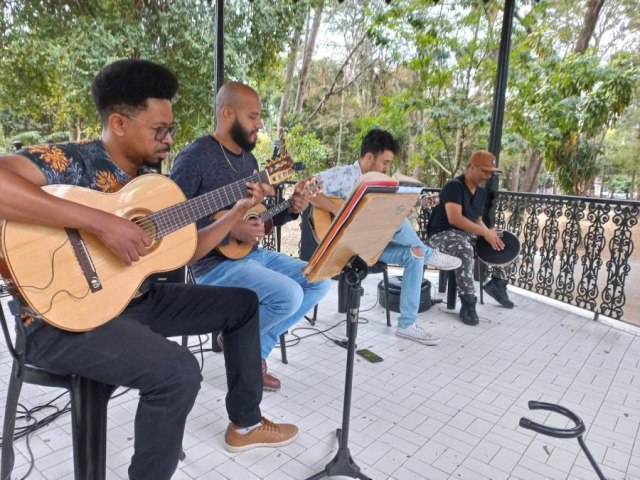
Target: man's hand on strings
{"type": "Point", "coordinates": [298, 201]}
{"type": "Point", "coordinates": [255, 196]}
{"type": "Point", "coordinates": [123, 237]}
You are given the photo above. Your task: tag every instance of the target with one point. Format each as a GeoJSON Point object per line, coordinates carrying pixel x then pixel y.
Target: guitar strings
{"type": "Point", "coordinates": [166, 220]}
{"type": "Point", "coordinates": [311, 188]}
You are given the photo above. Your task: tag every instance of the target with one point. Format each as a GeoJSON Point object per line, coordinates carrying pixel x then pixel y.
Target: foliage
{"type": "Point", "coordinates": [576, 171]}
{"type": "Point", "coordinates": [619, 184]}
{"type": "Point", "coordinates": [565, 105]}
{"type": "Point", "coordinates": [264, 149]}
{"type": "Point", "coordinates": [307, 148]}
{"type": "Point", "coordinates": [561, 100]}
{"type": "Point", "coordinates": [424, 70]}
{"type": "Point", "coordinates": [47, 69]}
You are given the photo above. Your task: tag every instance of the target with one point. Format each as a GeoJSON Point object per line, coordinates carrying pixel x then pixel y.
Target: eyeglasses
{"type": "Point", "coordinates": [161, 132]}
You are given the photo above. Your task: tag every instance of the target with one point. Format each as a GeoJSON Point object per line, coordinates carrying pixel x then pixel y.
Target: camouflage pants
{"type": "Point", "coordinates": [462, 245]}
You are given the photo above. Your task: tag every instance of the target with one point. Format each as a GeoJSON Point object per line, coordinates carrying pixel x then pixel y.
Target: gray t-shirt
{"type": "Point", "coordinates": [205, 165]}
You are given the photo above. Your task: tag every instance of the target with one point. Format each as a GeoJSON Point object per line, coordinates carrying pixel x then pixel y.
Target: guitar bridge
{"type": "Point", "coordinates": [87, 266]}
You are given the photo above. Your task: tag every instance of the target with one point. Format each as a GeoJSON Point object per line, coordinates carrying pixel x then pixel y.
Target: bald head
{"type": "Point", "coordinates": [234, 95]}
{"type": "Point", "coordinates": [238, 109]}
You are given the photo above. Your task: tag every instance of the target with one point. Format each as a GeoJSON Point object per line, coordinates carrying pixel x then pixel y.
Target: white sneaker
{"type": "Point", "coordinates": [417, 334]}
{"type": "Point", "coordinates": [442, 261]}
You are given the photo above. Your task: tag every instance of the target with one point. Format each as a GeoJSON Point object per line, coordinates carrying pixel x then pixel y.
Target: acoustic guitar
{"type": "Point", "coordinates": [236, 249]}
{"type": "Point", "coordinates": [71, 280]}
{"type": "Point", "coordinates": [322, 219]}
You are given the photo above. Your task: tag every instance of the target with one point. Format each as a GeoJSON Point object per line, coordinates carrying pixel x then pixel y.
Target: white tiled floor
{"type": "Point", "coordinates": [450, 411]}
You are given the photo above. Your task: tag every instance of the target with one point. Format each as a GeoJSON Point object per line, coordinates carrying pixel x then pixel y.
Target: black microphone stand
{"type": "Point", "coordinates": [343, 464]}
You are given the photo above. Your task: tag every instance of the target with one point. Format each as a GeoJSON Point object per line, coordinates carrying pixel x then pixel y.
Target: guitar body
{"type": "Point", "coordinates": [235, 249]}
{"type": "Point", "coordinates": [40, 264]}
{"type": "Point", "coordinates": [322, 219]}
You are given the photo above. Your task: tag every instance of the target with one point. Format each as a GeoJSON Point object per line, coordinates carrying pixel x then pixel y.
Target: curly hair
{"type": "Point", "coordinates": [377, 141]}
{"type": "Point", "coordinates": [125, 85]}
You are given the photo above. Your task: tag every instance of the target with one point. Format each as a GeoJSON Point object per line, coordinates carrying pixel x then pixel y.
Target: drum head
{"type": "Point", "coordinates": [499, 257]}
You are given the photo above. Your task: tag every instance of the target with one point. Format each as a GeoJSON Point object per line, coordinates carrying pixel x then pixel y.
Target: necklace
{"type": "Point", "coordinates": [227, 158]}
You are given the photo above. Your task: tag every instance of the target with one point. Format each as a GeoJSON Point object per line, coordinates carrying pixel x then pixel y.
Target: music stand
{"type": "Point", "coordinates": [358, 235]}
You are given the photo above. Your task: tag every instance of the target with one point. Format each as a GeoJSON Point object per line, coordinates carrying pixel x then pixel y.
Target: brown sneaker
{"type": "Point", "coordinates": [269, 382]}
{"type": "Point", "coordinates": [268, 434]}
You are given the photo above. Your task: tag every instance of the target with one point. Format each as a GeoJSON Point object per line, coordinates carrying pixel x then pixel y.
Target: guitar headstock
{"type": "Point", "coordinates": [429, 200]}
{"type": "Point", "coordinates": [279, 169]}
{"type": "Point", "coordinates": [312, 187]}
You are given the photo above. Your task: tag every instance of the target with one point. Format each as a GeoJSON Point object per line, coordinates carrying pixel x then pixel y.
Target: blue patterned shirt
{"type": "Point", "coordinates": [339, 181]}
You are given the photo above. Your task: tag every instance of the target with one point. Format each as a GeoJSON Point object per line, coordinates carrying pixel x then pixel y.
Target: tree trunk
{"type": "Point", "coordinates": [306, 58]}
{"type": "Point", "coordinates": [515, 182]}
{"type": "Point", "coordinates": [590, 20]}
{"type": "Point", "coordinates": [288, 84]}
{"type": "Point", "coordinates": [458, 149]}
{"type": "Point", "coordinates": [530, 181]}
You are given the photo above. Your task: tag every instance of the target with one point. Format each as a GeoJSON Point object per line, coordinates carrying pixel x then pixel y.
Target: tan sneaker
{"type": "Point", "coordinates": [268, 434]}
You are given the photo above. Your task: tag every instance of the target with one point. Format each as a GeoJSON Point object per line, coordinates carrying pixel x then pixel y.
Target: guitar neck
{"type": "Point", "coordinates": [273, 211]}
{"type": "Point", "coordinates": [175, 217]}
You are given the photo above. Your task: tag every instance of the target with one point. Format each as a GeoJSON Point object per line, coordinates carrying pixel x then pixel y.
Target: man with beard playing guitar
{"type": "Point", "coordinates": [224, 157]}
{"type": "Point", "coordinates": [133, 98]}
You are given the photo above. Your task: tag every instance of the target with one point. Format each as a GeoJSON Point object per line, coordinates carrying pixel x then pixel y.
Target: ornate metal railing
{"type": "Point", "coordinates": [273, 239]}
{"type": "Point", "coordinates": [577, 250]}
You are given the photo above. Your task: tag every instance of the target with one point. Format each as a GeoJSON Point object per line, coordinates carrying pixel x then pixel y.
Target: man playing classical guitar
{"type": "Point", "coordinates": [376, 154]}
{"type": "Point", "coordinates": [225, 156]}
{"type": "Point", "coordinates": [133, 98]}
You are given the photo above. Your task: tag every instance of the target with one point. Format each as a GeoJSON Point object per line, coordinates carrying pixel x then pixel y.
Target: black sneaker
{"type": "Point", "coordinates": [496, 288]}
{"type": "Point", "coordinates": [217, 342]}
{"type": "Point", "coordinates": [468, 313]}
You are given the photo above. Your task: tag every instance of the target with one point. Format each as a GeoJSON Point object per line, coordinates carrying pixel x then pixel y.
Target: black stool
{"type": "Point", "coordinates": [89, 401]}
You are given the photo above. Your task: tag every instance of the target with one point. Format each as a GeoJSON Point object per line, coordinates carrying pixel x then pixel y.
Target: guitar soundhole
{"type": "Point", "coordinates": [149, 226]}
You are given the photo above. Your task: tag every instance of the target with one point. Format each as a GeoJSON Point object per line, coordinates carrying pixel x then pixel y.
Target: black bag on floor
{"type": "Point", "coordinates": [395, 285]}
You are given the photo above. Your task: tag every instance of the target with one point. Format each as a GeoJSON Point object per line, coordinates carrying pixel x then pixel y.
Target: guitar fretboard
{"type": "Point", "coordinates": [175, 217]}
{"type": "Point", "coordinates": [273, 211]}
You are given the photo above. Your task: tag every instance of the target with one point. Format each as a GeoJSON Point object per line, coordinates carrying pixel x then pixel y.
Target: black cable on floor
{"type": "Point", "coordinates": [33, 424]}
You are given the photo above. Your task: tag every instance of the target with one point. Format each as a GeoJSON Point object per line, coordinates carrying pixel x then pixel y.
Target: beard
{"type": "Point", "coordinates": [241, 136]}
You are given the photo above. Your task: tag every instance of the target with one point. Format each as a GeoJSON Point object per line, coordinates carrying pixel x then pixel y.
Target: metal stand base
{"type": "Point", "coordinates": [343, 464]}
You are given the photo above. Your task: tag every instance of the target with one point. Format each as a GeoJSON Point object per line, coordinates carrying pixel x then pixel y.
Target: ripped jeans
{"type": "Point", "coordinates": [399, 252]}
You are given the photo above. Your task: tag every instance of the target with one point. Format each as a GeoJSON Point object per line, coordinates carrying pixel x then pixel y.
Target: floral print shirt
{"type": "Point", "coordinates": [84, 164]}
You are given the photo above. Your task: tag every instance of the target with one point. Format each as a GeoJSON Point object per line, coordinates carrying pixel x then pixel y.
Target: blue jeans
{"type": "Point", "coordinates": [283, 291]}
{"type": "Point", "coordinates": [398, 252]}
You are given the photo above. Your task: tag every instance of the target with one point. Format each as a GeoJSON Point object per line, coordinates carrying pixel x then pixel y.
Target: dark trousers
{"type": "Point", "coordinates": [131, 350]}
